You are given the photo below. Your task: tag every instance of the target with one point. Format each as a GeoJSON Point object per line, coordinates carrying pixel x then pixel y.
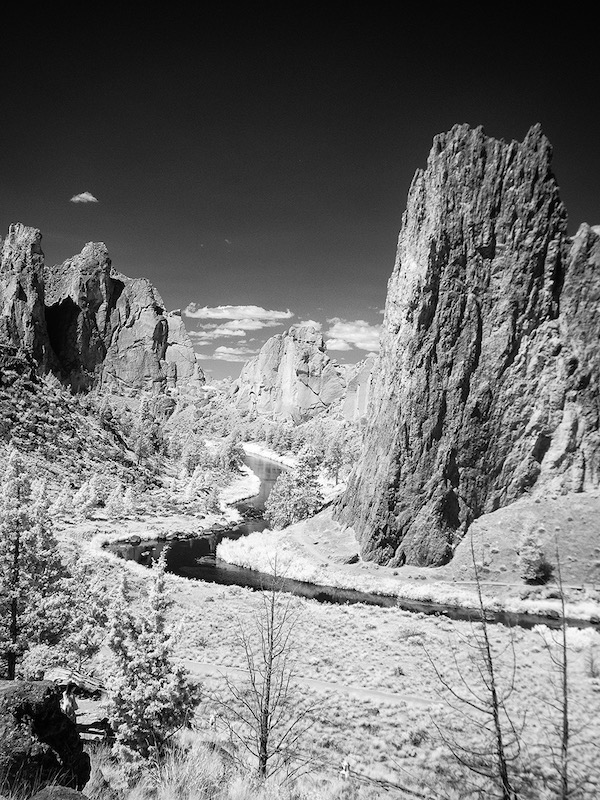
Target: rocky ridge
{"type": "Point", "coordinates": [487, 385]}
{"type": "Point", "coordinates": [89, 324]}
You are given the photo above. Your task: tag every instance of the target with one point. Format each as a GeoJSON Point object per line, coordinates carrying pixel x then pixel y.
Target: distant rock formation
{"type": "Point", "coordinates": [291, 378]}
{"type": "Point", "coordinates": [488, 380]}
{"type": "Point", "coordinates": [358, 389]}
{"type": "Point", "coordinates": [38, 743]}
{"type": "Point", "coordinates": [89, 324]}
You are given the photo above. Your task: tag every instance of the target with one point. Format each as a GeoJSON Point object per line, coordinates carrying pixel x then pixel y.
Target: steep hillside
{"type": "Point", "coordinates": [488, 379]}
{"type": "Point", "coordinates": [63, 437]}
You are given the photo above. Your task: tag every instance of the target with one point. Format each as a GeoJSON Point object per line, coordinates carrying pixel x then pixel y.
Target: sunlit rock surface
{"type": "Point", "coordinates": [291, 378]}
{"type": "Point", "coordinates": [487, 383]}
{"type": "Point", "coordinates": [89, 324]}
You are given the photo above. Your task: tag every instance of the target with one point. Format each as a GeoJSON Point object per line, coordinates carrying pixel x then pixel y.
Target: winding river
{"type": "Point", "coordinates": [196, 558]}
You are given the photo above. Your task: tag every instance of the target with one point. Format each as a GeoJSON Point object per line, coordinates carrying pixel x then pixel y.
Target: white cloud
{"type": "Point", "coordinates": [337, 344]}
{"type": "Point", "coordinates": [83, 197]}
{"type": "Point", "coordinates": [353, 333]}
{"type": "Point", "coordinates": [311, 322]}
{"type": "Point", "coordinates": [216, 333]}
{"type": "Point", "coordinates": [235, 312]}
{"type": "Point", "coordinates": [223, 353]}
{"type": "Point", "coordinates": [251, 324]}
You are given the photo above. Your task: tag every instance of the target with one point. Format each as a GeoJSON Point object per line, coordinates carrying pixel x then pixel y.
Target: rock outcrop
{"type": "Point", "coordinates": [356, 398]}
{"type": "Point", "coordinates": [38, 743]}
{"type": "Point", "coordinates": [487, 385]}
{"type": "Point", "coordinates": [89, 324]}
{"type": "Point", "coordinates": [291, 378]}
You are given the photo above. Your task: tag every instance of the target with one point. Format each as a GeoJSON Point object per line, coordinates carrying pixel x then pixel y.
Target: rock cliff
{"type": "Point", "coordinates": [487, 385]}
{"type": "Point", "coordinates": [291, 378]}
{"type": "Point", "coordinates": [356, 398]}
{"type": "Point", "coordinates": [89, 324]}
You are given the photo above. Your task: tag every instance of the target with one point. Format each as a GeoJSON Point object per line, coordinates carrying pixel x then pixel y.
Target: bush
{"type": "Point", "coordinates": [533, 565]}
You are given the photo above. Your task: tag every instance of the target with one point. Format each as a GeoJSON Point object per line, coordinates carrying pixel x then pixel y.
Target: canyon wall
{"type": "Point", "coordinates": [487, 384]}
{"type": "Point", "coordinates": [88, 324]}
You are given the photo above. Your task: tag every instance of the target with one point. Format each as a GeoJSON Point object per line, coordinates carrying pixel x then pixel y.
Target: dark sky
{"type": "Point", "coordinates": [265, 160]}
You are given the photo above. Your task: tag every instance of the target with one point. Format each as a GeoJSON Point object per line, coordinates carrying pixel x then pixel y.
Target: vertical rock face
{"type": "Point", "coordinates": [89, 324]}
{"type": "Point", "coordinates": [291, 378]}
{"type": "Point", "coordinates": [22, 320]}
{"type": "Point", "coordinates": [487, 383]}
{"type": "Point", "coordinates": [356, 399]}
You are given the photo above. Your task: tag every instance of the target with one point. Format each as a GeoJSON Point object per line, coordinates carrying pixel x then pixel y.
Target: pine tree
{"type": "Point", "coordinates": [232, 453]}
{"type": "Point", "coordinates": [114, 505]}
{"type": "Point", "coordinates": [296, 493]}
{"type": "Point", "coordinates": [149, 697]}
{"type": "Point", "coordinates": [34, 602]}
{"type": "Point", "coordinates": [533, 565]}
{"type": "Point", "coordinates": [63, 503]}
{"type": "Point", "coordinates": [130, 502]}
{"type": "Point", "coordinates": [85, 500]}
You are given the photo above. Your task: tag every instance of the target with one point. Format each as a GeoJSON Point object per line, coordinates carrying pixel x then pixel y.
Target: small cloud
{"type": "Point", "coordinates": [251, 324]}
{"type": "Point", "coordinates": [312, 323]}
{"type": "Point", "coordinates": [337, 344]}
{"type": "Point", "coordinates": [223, 353]}
{"type": "Point", "coordinates": [216, 333]}
{"type": "Point", "coordinates": [84, 197]}
{"type": "Point", "coordinates": [235, 312]}
{"type": "Point", "coordinates": [353, 333]}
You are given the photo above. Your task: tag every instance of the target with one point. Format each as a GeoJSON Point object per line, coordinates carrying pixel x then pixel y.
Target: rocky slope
{"type": "Point", "coordinates": [487, 385]}
{"type": "Point", "coordinates": [291, 378]}
{"type": "Point", "coordinates": [87, 323]}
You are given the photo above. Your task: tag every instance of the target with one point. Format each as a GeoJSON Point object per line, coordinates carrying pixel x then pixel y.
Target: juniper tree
{"type": "Point", "coordinates": [34, 601]}
{"type": "Point", "coordinates": [149, 696]}
{"type": "Point", "coordinates": [114, 505]}
{"type": "Point", "coordinates": [296, 493]}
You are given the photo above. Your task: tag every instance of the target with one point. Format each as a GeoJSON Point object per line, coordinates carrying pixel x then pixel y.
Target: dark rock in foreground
{"type": "Point", "coordinates": [487, 385]}
{"type": "Point", "coordinates": [38, 743]}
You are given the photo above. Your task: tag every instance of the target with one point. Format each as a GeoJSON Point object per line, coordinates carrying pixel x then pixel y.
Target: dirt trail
{"type": "Point", "coordinates": [202, 668]}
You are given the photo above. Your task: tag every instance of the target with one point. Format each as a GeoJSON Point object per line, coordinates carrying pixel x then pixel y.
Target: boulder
{"type": "Point", "coordinates": [38, 743]}
{"type": "Point", "coordinates": [487, 383]}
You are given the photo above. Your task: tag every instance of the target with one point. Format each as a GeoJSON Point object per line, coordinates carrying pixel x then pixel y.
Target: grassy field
{"type": "Point", "coordinates": [372, 674]}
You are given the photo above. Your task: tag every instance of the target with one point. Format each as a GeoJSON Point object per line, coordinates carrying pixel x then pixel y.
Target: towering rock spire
{"type": "Point", "coordinates": [487, 383]}
{"type": "Point", "coordinates": [89, 324]}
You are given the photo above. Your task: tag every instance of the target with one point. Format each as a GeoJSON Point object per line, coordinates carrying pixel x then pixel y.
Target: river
{"type": "Point", "coordinates": [196, 559]}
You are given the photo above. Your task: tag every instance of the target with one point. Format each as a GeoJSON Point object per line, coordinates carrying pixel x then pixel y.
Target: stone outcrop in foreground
{"type": "Point", "coordinates": [89, 324]}
{"type": "Point", "coordinates": [38, 743]}
{"type": "Point", "coordinates": [488, 381]}
{"type": "Point", "coordinates": [291, 378]}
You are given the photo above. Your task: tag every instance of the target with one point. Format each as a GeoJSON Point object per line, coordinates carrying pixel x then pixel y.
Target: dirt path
{"type": "Point", "coordinates": [202, 668]}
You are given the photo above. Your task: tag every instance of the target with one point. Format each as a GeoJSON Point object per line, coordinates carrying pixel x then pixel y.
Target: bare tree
{"type": "Point", "coordinates": [483, 704]}
{"type": "Point", "coordinates": [567, 727]}
{"type": "Point", "coordinates": [263, 713]}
